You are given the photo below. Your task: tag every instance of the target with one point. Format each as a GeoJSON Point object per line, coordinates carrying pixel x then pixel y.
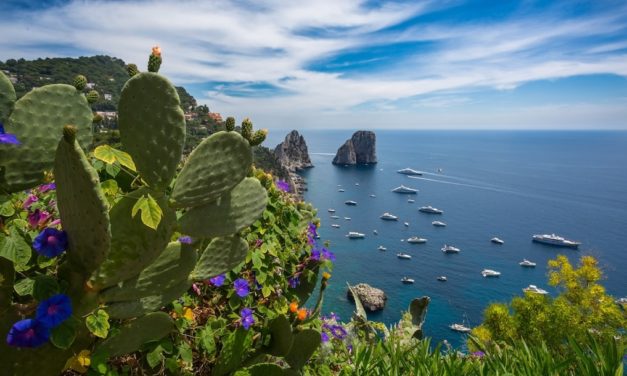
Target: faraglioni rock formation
{"type": "Point", "coordinates": [359, 149]}
{"type": "Point", "coordinates": [292, 154]}
{"type": "Point", "coordinates": [372, 298]}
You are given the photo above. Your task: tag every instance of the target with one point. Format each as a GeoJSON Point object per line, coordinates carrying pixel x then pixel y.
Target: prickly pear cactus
{"type": "Point", "coordinates": [7, 97]}
{"type": "Point", "coordinates": [80, 82]}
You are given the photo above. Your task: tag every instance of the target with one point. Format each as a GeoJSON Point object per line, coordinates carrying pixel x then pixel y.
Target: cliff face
{"type": "Point", "coordinates": [372, 298]}
{"type": "Point", "coordinates": [360, 149]}
{"type": "Point", "coordinates": [293, 155]}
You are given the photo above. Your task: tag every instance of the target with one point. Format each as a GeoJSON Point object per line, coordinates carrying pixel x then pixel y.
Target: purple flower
{"type": "Point", "coordinates": [283, 185]}
{"type": "Point", "coordinates": [54, 310]}
{"type": "Point", "coordinates": [28, 333]}
{"type": "Point", "coordinates": [47, 187]}
{"type": "Point", "coordinates": [294, 282]}
{"type": "Point", "coordinates": [29, 201]}
{"type": "Point", "coordinates": [315, 254]}
{"type": "Point", "coordinates": [247, 318]}
{"type": "Point", "coordinates": [218, 280]}
{"type": "Point", "coordinates": [478, 354]}
{"type": "Point", "coordinates": [185, 239]}
{"type": "Point", "coordinates": [334, 316]}
{"type": "Point", "coordinates": [50, 242]}
{"type": "Point", "coordinates": [6, 138]}
{"type": "Point", "coordinates": [326, 254]}
{"type": "Point", "coordinates": [338, 331]}
{"type": "Point", "coordinates": [241, 287]}
{"type": "Point", "coordinates": [325, 337]}
{"type": "Point", "coordinates": [38, 218]}
{"type": "Point", "coordinates": [312, 229]}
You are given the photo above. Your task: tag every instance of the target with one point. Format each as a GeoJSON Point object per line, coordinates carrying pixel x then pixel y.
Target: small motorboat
{"type": "Point", "coordinates": [535, 290]}
{"type": "Point", "coordinates": [331, 210]}
{"type": "Point", "coordinates": [430, 209]}
{"type": "Point", "coordinates": [373, 195]}
{"type": "Point", "coordinates": [409, 171]}
{"type": "Point", "coordinates": [404, 256]}
{"type": "Point", "coordinates": [411, 201]}
{"type": "Point", "coordinates": [407, 280]}
{"type": "Point", "coordinates": [347, 218]}
{"type": "Point", "coordinates": [375, 232]}
{"type": "Point", "coordinates": [442, 278]}
{"type": "Point", "coordinates": [388, 217]}
{"type": "Point", "coordinates": [382, 248]}
{"type": "Point", "coordinates": [438, 224]}
{"type": "Point", "coordinates": [460, 328]}
{"type": "Point", "coordinates": [497, 240]}
{"type": "Point", "coordinates": [490, 273]}
{"type": "Point", "coordinates": [335, 217]}
{"type": "Point", "coordinates": [350, 203]}
{"type": "Point", "coordinates": [356, 183]}
{"type": "Point", "coordinates": [355, 235]}
{"type": "Point", "coordinates": [416, 240]}
{"type": "Point", "coordinates": [341, 190]}
{"type": "Point", "coordinates": [406, 224]}
{"type": "Point", "coordinates": [450, 249]}
{"type": "Point", "coordinates": [335, 225]}
{"type": "Point", "coordinates": [527, 264]}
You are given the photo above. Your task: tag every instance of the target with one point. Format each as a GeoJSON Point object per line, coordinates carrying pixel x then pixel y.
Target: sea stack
{"type": "Point", "coordinates": [292, 154]}
{"type": "Point", "coordinates": [372, 298]}
{"type": "Point", "coordinates": [359, 149]}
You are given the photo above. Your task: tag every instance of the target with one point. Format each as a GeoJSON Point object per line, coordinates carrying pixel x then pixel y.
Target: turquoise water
{"type": "Point", "coordinates": [506, 184]}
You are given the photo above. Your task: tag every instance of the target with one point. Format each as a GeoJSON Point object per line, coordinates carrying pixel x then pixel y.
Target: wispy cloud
{"type": "Point", "coordinates": [263, 58]}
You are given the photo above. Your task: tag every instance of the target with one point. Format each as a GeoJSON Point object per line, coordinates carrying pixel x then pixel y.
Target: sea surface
{"type": "Point", "coordinates": [510, 184]}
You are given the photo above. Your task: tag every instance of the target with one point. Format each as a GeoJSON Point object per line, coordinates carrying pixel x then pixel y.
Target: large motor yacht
{"type": "Point", "coordinates": [416, 240]}
{"type": "Point", "coordinates": [355, 235]}
{"type": "Point", "coordinates": [404, 189]}
{"type": "Point", "coordinates": [450, 249]}
{"type": "Point", "coordinates": [389, 217]}
{"type": "Point", "coordinates": [535, 289]}
{"type": "Point", "coordinates": [409, 171]}
{"type": "Point", "coordinates": [403, 256]}
{"type": "Point", "coordinates": [490, 273]}
{"type": "Point", "coordinates": [430, 209]}
{"type": "Point", "coordinates": [555, 240]}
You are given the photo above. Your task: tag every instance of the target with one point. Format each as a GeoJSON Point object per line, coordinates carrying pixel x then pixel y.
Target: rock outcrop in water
{"type": "Point", "coordinates": [359, 149]}
{"type": "Point", "coordinates": [372, 298]}
{"type": "Point", "coordinates": [292, 154]}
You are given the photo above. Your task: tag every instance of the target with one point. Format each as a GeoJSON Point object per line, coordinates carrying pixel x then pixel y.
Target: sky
{"type": "Point", "coordinates": [441, 64]}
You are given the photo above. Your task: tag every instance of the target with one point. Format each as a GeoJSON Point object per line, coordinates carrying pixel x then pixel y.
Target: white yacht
{"type": "Point", "coordinates": [526, 263]}
{"type": "Point", "coordinates": [355, 235]}
{"type": "Point", "coordinates": [430, 209]}
{"type": "Point", "coordinates": [373, 195]}
{"type": "Point", "coordinates": [460, 328]}
{"type": "Point", "coordinates": [411, 201]}
{"type": "Point", "coordinates": [389, 217]}
{"type": "Point", "coordinates": [555, 240]}
{"type": "Point", "coordinates": [438, 224]}
{"type": "Point", "coordinates": [403, 256]}
{"type": "Point", "coordinates": [409, 171]}
{"type": "Point", "coordinates": [490, 273]}
{"type": "Point", "coordinates": [404, 189]}
{"type": "Point", "coordinates": [382, 248]}
{"type": "Point", "coordinates": [535, 289]}
{"type": "Point", "coordinates": [416, 240]}
{"type": "Point", "coordinates": [356, 183]}
{"type": "Point", "coordinates": [347, 218]}
{"type": "Point", "coordinates": [450, 249]}
{"type": "Point", "coordinates": [406, 224]}
{"type": "Point", "coordinates": [350, 202]}
{"type": "Point", "coordinates": [335, 217]}
{"type": "Point", "coordinates": [335, 225]}
{"type": "Point", "coordinates": [341, 190]}
{"type": "Point", "coordinates": [442, 278]}
{"type": "Point", "coordinates": [375, 232]}
{"type": "Point", "coordinates": [497, 240]}
{"type": "Point", "coordinates": [407, 280]}
{"type": "Point", "coordinates": [331, 210]}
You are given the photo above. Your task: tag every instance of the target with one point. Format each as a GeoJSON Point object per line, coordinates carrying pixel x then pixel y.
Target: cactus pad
{"type": "Point", "coordinates": [152, 127]}
{"type": "Point", "coordinates": [305, 344]}
{"type": "Point", "coordinates": [129, 309]}
{"type": "Point", "coordinates": [221, 255]}
{"type": "Point", "coordinates": [7, 97]}
{"type": "Point", "coordinates": [37, 121]}
{"type": "Point", "coordinates": [132, 336]}
{"type": "Point", "coordinates": [170, 269]}
{"type": "Point", "coordinates": [133, 245]}
{"type": "Point", "coordinates": [82, 207]}
{"type": "Point", "coordinates": [217, 165]}
{"type": "Point", "coordinates": [281, 336]}
{"type": "Point", "coordinates": [231, 213]}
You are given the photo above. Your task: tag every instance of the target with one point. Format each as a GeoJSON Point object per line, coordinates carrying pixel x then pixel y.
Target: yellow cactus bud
{"type": "Point", "coordinates": [156, 51]}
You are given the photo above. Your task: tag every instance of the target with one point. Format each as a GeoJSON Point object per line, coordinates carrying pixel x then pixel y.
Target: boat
{"type": "Point", "coordinates": [442, 278]}
{"type": "Point", "coordinates": [355, 235]}
{"type": "Point", "coordinates": [375, 232]}
{"type": "Point", "coordinates": [535, 289]}
{"type": "Point", "coordinates": [439, 170]}
{"type": "Point", "coordinates": [497, 240]}
{"type": "Point", "coordinates": [416, 240]}
{"type": "Point", "coordinates": [403, 256]}
{"type": "Point", "coordinates": [407, 280]}
{"type": "Point", "coordinates": [490, 273]}
{"type": "Point", "coordinates": [389, 217]}
{"type": "Point", "coordinates": [555, 240]}
{"type": "Point", "coordinates": [373, 195]}
{"type": "Point", "coordinates": [356, 183]}
{"type": "Point", "coordinates": [460, 328]}
{"type": "Point", "coordinates": [335, 225]}
{"type": "Point", "coordinates": [409, 171]}
{"type": "Point", "coordinates": [382, 248]}
{"type": "Point", "coordinates": [351, 203]}
{"type": "Point", "coordinates": [430, 209]}
{"type": "Point", "coordinates": [347, 218]}
{"type": "Point", "coordinates": [526, 263]}
{"type": "Point", "coordinates": [341, 190]}
{"type": "Point", "coordinates": [335, 216]}
{"type": "Point", "coordinates": [450, 249]}
{"type": "Point", "coordinates": [406, 224]}
{"type": "Point", "coordinates": [438, 224]}
{"type": "Point", "coordinates": [404, 189]}
{"type": "Point", "coordinates": [411, 201]}
{"type": "Point", "coordinates": [331, 210]}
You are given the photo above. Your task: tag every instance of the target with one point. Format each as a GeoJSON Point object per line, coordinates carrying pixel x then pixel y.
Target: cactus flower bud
{"type": "Point", "coordinates": [302, 314]}
{"type": "Point", "coordinates": [156, 51]}
{"type": "Point", "coordinates": [293, 307]}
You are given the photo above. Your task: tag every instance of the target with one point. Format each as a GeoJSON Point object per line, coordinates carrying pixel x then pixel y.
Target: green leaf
{"type": "Point", "coordinates": [233, 351]}
{"type": "Point", "coordinates": [151, 212]}
{"type": "Point", "coordinates": [24, 287]}
{"type": "Point", "coordinates": [98, 323]}
{"type": "Point", "coordinates": [111, 155]}
{"type": "Point", "coordinates": [207, 340]}
{"type": "Point", "coordinates": [109, 187]}
{"type": "Point", "coordinates": [7, 209]}
{"type": "Point", "coordinates": [44, 287]}
{"type": "Point", "coordinates": [185, 352]}
{"type": "Point", "coordinates": [64, 335]}
{"type": "Point", "coordinates": [113, 169]}
{"type": "Point", "coordinates": [155, 357]}
{"type": "Point", "coordinates": [14, 248]}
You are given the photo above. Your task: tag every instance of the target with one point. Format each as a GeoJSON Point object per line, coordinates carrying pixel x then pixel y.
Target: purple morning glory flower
{"type": "Point", "coordinates": [38, 218]}
{"type": "Point", "coordinates": [241, 287]}
{"type": "Point", "coordinates": [326, 254]}
{"type": "Point", "coordinates": [315, 254]}
{"type": "Point", "coordinates": [218, 280]}
{"type": "Point", "coordinates": [7, 138]}
{"type": "Point", "coordinates": [185, 239]}
{"type": "Point", "coordinates": [50, 242]}
{"type": "Point", "coordinates": [282, 185]}
{"type": "Point", "coordinates": [294, 282]}
{"type": "Point", "coordinates": [312, 229]}
{"type": "Point", "coordinates": [247, 318]}
{"type": "Point", "coordinates": [29, 201]}
{"type": "Point", "coordinates": [54, 310]}
{"type": "Point", "coordinates": [47, 187]}
{"type": "Point", "coordinates": [28, 333]}
{"type": "Point", "coordinates": [325, 337]}
{"type": "Point", "coordinates": [338, 331]}
{"type": "Point", "coordinates": [478, 354]}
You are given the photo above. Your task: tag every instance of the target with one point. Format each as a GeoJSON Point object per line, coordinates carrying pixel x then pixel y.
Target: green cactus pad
{"type": "Point", "coordinates": [229, 214]}
{"type": "Point", "coordinates": [130, 309]}
{"type": "Point", "coordinates": [247, 129]}
{"type": "Point", "coordinates": [282, 338]}
{"type": "Point", "coordinates": [82, 207]}
{"type": "Point", "coordinates": [38, 120]}
{"type": "Point", "coordinates": [305, 344]}
{"type": "Point", "coordinates": [217, 165]}
{"type": "Point", "coordinates": [308, 280]}
{"type": "Point", "coordinates": [7, 98]}
{"type": "Point", "coordinates": [152, 127]}
{"type": "Point", "coordinates": [233, 350]}
{"type": "Point", "coordinates": [133, 245]}
{"type": "Point", "coordinates": [262, 369]}
{"type": "Point", "coordinates": [132, 336]}
{"type": "Point", "coordinates": [170, 269]}
{"type": "Point", "coordinates": [220, 256]}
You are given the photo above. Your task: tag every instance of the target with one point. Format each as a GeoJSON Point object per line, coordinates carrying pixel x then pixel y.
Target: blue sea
{"type": "Point", "coordinates": [510, 184]}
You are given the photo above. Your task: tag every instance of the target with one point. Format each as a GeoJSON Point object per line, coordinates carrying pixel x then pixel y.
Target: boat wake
{"type": "Point", "coordinates": [484, 187]}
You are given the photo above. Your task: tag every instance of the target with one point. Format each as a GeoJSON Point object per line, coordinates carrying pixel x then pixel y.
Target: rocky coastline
{"type": "Point", "coordinates": [372, 298]}
{"type": "Point", "coordinates": [293, 155]}
{"type": "Point", "coordinates": [360, 149]}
